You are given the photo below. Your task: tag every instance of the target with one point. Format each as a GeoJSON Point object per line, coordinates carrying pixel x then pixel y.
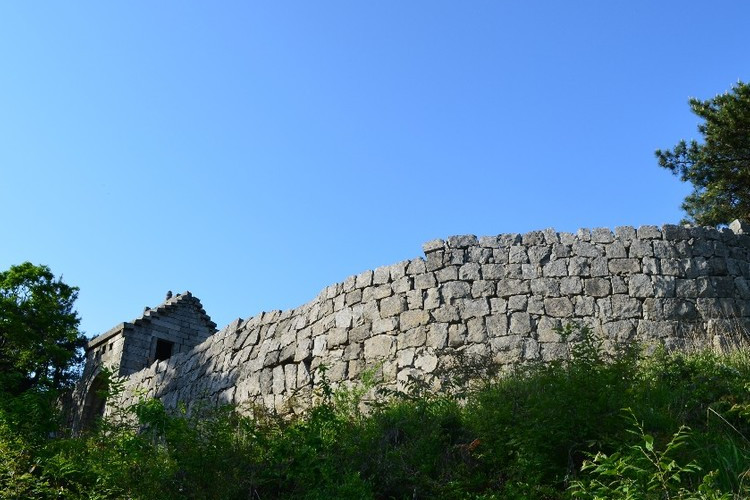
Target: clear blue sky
{"type": "Point", "coordinates": [254, 153]}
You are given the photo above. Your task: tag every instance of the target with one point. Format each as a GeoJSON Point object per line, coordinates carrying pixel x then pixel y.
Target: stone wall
{"type": "Point", "coordinates": [500, 296]}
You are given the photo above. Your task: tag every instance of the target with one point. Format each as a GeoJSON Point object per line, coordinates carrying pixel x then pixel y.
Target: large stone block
{"type": "Point", "coordinates": [520, 323]}
{"type": "Point", "coordinates": [649, 233]}
{"type": "Point", "coordinates": [624, 306]}
{"type": "Point", "coordinates": [571, 285]}
{"type": "Point", "coordinates": [597, 287]}
{"type": "Point", "coordinates": [640, 248]}
{"type": "Point", "coordinates": [624, 266]}
{"type": "Point", "coordinates": [473, 308]}
{"type": "Point", "coordinates": [416, 337]}
{"type": "Point", "coordinates": [493, 271]}
{"type": "Point", "coordinates": [449, 273]}
{"type": "Point", "coordinates": [517, 303]}
{"type": "Point", "coordinates": [518, 255]}
{"type": "Point", "coordinates": [640, 285]}
{"type": "Point", "coordinates": [482, 288]}
{"type": "Point", "coordinates": [413, 319]}
{"type": "Point", "coordinates": [384, 325]}
{"type": "Point", "coordinates": [446, 314]}
{"type": "Point", "coordinates": [380, 346]}
{"type": "Point", "coordinates": [416, 266]}
{"type": "Point", "coordinates": [424, 281]}
{"type": "Point", "coordinates": [539, 255]}
{"type": "Point", "coordinates": [579, 266]}
{"type": "Point", "coordinates": [478, 255]}
{"type": "Point", "coordinates": [476, 330]}
{"type": "Point", "coordinates": [560, 307]}
{"type": "Point", "coordinates": [437, 335]}
{"type": "Point", "coordinates": [545, 287]}
{"type": "Point", "coordinates": [508, 287]}
{"type": "Point", "coordinates": [454, 290]}
{"type": "Point", "coordinates": [470, 272]}
{"type": "Point", "coordinates": [392, 306]}
{"type": "Point", "coordinates": [556, 268]}
{"type": "Point", "coordinates": [376, 292]}
{"type": "Point", "coordinates": [586, 249]}
{"type": "Point", "coordinates": [462, 241]}
{"type": "Point", "coordinates": [615, 250]}
{"type": "Point", "coordinates": [433, 245]}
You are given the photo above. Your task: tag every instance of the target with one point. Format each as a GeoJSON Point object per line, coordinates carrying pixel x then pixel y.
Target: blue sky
{"type": "Point", "coordinates": [254, 153]}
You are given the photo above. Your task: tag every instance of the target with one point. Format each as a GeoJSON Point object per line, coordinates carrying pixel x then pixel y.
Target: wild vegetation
{"type": "Point", "coordinates": [622, 425]}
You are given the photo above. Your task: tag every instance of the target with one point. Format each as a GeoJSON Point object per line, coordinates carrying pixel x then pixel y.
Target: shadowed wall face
{"type": "Point", "coordinates": [501, 296]}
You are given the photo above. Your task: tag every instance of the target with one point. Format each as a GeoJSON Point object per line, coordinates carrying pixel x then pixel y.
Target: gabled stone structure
{"type": "Point", "coordinates": [175, 326]}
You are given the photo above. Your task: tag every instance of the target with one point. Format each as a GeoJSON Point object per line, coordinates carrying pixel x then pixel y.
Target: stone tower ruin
{"type": "Point", "coordinates": [175, 326]}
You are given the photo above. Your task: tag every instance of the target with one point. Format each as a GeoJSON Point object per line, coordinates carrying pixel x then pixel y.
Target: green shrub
{"type": "Point", "coordinates": [544, 431]}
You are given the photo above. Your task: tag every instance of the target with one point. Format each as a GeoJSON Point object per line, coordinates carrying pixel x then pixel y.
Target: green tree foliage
{"type": "Point", "coordinates": [40, 344]}
{"type": "Point", "coordinates": [718, 169]}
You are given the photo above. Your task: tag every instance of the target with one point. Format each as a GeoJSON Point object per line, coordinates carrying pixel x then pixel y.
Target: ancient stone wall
{"type": "Point", "coordinates": [499, 296]}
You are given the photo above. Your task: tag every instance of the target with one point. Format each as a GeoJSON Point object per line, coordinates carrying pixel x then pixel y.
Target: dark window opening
{"type": "Point", "coordinates": [163, 349]}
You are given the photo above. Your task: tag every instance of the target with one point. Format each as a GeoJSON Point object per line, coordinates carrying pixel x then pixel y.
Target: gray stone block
{"type": "Point", "coordinates": [454, 290]}
{"type": "Point", "coordinates": [433, 245]}
{"type": "Point", "coordinates": [472, 308]}
{"type": "Point", "coordinates": [571, 285]}
{"type": "Point", "coordinates": [545, 287]}
{"type": "Point", "coordinates": [518, 255]}
{"type": "Point", "coordinates": [424, 281]}
{"type": "Point", "coordinates": [517, 303]}
{"type": "Point", "coordinates": [416, 266]}
{"type": "Point", "coordinates": [380, 346]}
{"type": "Point", "coordinates": [602, 235]}
{"type": "Point", "coordinates": [384, 325]}
{"type": "Point", "coordinates": [533, 238]}
{"type": "Point", "coordinates": [508, 287]}
{"type": "Point", "coordinates": [520, 323]}
{"type": "Point", "coordinates": [556, 268]}
{"type": "Point", "coordinates": [624, 266]}
{"type": "Point", "coordinates": [476, 331]}
{"type": "Point", "coordinates": [413, 319]}
{"type": "Point", "coordinates": [479, 255]}
{"type": "Point", "coordinates": [649, 233]}
{"type": "Point", "coordinates": [640, 285]}
{"type": "Point", "coordinates": [449, 273]}
{"type": "Point", "coordinates": [672, 232]}
{"type": "Point", "coordinates": [539, 255]}
{"type": "Point", "coordinates": [482, 288]}
{"type": "Point", "coordinates": [445, 314]}
{"type": "Point", "coordinates": [585, 249]}
{"type": "Point", "coordinates": [597, 287]}
{"type": "Point", "coordinates": [560, 307]}
{"type": "Point", "coordinates": [469, 272]}
{"type": "Point", "coordinates": [625, 233]}
{"type": "Point", "coordinates": [415, 337]}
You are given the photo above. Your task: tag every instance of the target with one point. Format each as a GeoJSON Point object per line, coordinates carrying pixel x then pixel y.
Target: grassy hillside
{"type": "Point", "coordinates": [620, 426]}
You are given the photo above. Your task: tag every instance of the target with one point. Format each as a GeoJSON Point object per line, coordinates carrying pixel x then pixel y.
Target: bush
{"type": "Point", "coordinates": [549, 431]}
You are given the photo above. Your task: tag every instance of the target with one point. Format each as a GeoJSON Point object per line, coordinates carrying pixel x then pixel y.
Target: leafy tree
{"type": "Point", "coordinates": [40, 344]}
{"type": "Point", "coordinates": [719, 169]}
